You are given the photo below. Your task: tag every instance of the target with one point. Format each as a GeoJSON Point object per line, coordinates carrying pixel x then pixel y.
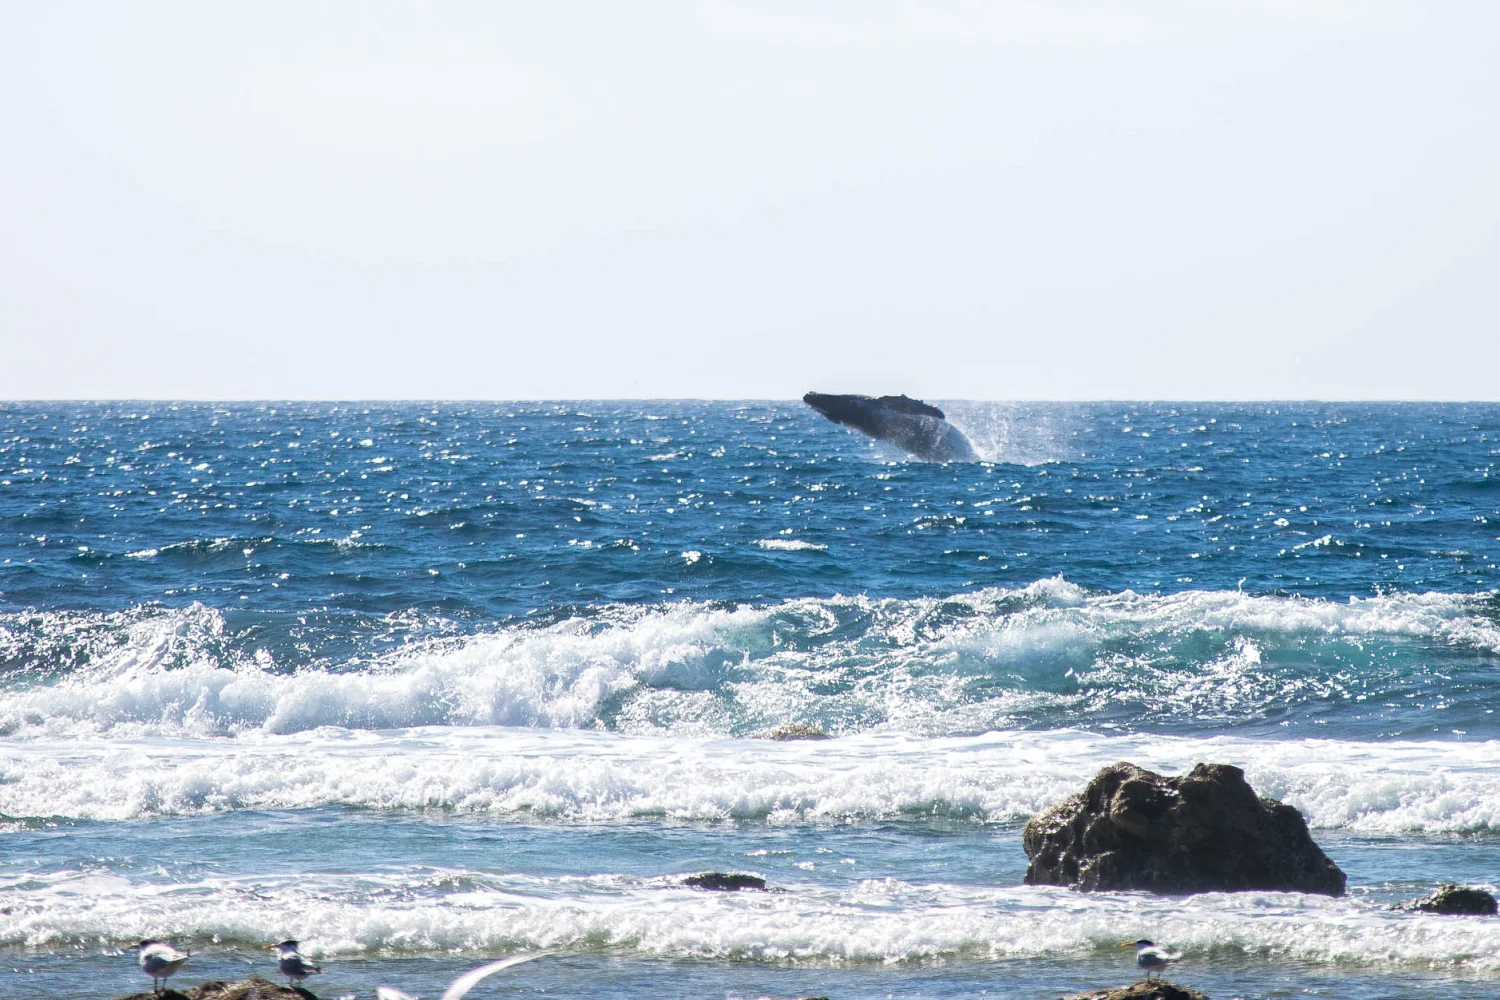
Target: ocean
{"type": "Point", "coordinates": [424, 684]}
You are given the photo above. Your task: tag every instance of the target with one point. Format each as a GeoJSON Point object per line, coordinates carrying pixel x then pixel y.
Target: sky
{"type": "Point", "coordinates": [1033, 199]}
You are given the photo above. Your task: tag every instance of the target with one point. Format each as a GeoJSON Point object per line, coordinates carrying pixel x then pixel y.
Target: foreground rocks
{"type": "Point", "coordinates": [726, 881]}
{"type": "Point", "coordinates": [254, 988]}
{"type": "Point", "coordinates": [1158, 989]}
{"type": "Point", "coordinates": [1205, 831]}
{"type": "Point", "coordinates": [1457, 900]}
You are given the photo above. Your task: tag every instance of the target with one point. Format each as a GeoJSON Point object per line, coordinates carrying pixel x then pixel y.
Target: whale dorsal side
{"type": "Point", "coordinates": [905, 404]}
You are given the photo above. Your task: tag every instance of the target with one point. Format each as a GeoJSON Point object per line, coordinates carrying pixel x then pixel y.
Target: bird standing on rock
{"type": "Point", "coordinates": [1150, 957]}
{"type": "Point", "coordinates": [291, 963]}
{"type": "Point", "coordinates": [160, 960]}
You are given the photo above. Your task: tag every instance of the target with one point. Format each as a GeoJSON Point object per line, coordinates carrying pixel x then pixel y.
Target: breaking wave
{"type": "Point", "coordinates": [876, 920]}
{"type": "Point", "coordinates": [1367, 788]}
{"type": "Point", "coordinates": [1050, 654]}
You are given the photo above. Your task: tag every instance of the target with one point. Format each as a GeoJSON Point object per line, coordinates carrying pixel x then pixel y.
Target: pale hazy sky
{"type": "Point", "coordinates": [1028, 199]}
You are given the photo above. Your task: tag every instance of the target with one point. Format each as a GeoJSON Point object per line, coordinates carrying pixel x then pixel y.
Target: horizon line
{"type": "Point", "coordinates": [210, 400]}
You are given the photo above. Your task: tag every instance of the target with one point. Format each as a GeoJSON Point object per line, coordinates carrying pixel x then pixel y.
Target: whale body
{"type": "Point", "coordinates": [909, 424]}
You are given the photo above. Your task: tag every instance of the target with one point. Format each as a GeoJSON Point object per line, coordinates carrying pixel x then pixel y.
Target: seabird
{"type": "Point", "coordinates": [160, 960]}
{"type": "Point", "coordinates": [1150, 957]}
{"type": "Point", "coordinates": [463, 983]}
{"type": "Point", "coordinates": [291, 963]}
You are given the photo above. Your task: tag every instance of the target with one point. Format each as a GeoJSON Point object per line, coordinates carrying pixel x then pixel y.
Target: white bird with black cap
{"type": "Point", "coordinates": [160, 961]}
{"type": "Point", "coordinates": [1150, 957]}
{"type": "Point", "coordinates": [290, 963]}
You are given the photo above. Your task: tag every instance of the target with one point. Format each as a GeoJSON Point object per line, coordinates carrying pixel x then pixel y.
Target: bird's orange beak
{"type": "Point", "coordinates": [1127, 944]}
{"type": "Point", "coordinates": [268, 947]}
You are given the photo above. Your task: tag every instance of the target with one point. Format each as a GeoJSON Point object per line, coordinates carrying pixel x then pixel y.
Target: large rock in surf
{"type": "Point", "coordinates": [254, 988]}
{"type": "Point", "coordinates": [1205, 831]}
{"type": "Point", "coordinates": [1456, 900]}
{"type": "Point", "coordinates": [1156, 989]}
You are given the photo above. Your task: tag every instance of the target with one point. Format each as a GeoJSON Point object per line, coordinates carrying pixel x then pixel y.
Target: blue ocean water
{"type": "Point", "coordinates": [424, 683]}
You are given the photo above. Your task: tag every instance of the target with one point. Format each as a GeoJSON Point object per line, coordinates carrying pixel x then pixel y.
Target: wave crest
{"type": "Point", "coordinates": [1044, 655]}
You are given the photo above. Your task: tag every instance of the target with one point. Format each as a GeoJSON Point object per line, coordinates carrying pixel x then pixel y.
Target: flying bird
{"type": "Point", "coordinates": [1150, 957]}
{"type": "Point", "coordinates": [160, 960]}
{"type": "Point", "coordinates": [291, 963]}
{"type": "Point", "coordinates": [464, 983]}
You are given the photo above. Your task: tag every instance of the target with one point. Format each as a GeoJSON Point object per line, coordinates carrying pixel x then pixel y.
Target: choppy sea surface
{"type": "Point", "coordinates": [422, 684]}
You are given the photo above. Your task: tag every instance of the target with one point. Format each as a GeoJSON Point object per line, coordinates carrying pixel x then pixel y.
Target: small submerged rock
{"type": "Point", "coordinates": [254, 988]}
{"type": "Point", "coordinates": [1205, 831]}
{"type": "Point", "coordinates": [793, 731]}
{"type": "Point", "coordinates": [1154, 989]}
{"type": "Point", "coordinates": [1456, 900]}
{"type": "Point", "coordinates": [725, 881]}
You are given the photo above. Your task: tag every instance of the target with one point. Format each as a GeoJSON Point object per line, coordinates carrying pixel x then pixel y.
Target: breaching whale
{"type": "Point", "coordinates": [907, 423]}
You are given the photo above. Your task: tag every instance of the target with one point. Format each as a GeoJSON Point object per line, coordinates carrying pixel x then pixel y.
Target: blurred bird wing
{"type": "Point", "coordinates": [386, 993]}
{"type": "Point", "coordinates": [468, 980]}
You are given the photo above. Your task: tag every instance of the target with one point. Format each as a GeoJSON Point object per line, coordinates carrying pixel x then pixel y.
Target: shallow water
{"type": "Point", "coordinates": [424, 684]}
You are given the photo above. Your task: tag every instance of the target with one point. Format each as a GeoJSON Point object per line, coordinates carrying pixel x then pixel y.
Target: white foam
{"type": "Point", "coordinates": [1373, 788]}
{"type": "Point", "coordinates": [790, 545]}
{"type": "Point", "coordinates": [878, 920]}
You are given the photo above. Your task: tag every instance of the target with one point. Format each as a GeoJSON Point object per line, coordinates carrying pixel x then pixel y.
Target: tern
{"type": "Point", "coordinates": [160, 960]}
{"type": "Point", "coordinates": [464, 983]}
{"type": "Point", "coordinates": [1150, 957]}
{"type": "Point", "coordinates": [291, 963]}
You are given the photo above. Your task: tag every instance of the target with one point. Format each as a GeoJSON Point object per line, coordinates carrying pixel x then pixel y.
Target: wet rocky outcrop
{"type": "Point", "coordinates": [1456, 900]}
{"type": "Point", "coordinates": [254, 988]}
{"type": "Point", "coordinates": [725, 881]}
{"type": "Point", "coordinates": [793, 731]}
{"type": "Point", "coordinates": [1204, 831]}
{"type": "Point", "coordinates": [1156, 989]}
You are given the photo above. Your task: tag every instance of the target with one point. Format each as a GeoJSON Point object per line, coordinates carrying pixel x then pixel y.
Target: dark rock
{"type": "Point", "coordinates": [1156, 989]}
{"type": "Point", "coordinates": [794, 731]}
{"type": "Point", "coordinates": [725, 881]}
{"type": "Point", "coordinates": [1459, 900]}
{"type": "Point", "coordinates": [1205, 831]}
{"type": "Point", "coordinates": [254, 988]}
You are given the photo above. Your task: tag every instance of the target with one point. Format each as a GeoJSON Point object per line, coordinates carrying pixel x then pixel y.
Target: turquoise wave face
{"type": "Point", "coordinates": [1050, 655]}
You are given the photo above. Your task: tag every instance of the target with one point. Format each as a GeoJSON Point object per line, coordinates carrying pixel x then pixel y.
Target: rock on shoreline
{"type": "Point", "coordinates": [1156, 989]}
{"type": "Point", "coordinates": [1205, 831]}
{"type": "Point", "coordinates": [1456, 900]}
{"type": "Point", "coordinates": [254, 988]}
